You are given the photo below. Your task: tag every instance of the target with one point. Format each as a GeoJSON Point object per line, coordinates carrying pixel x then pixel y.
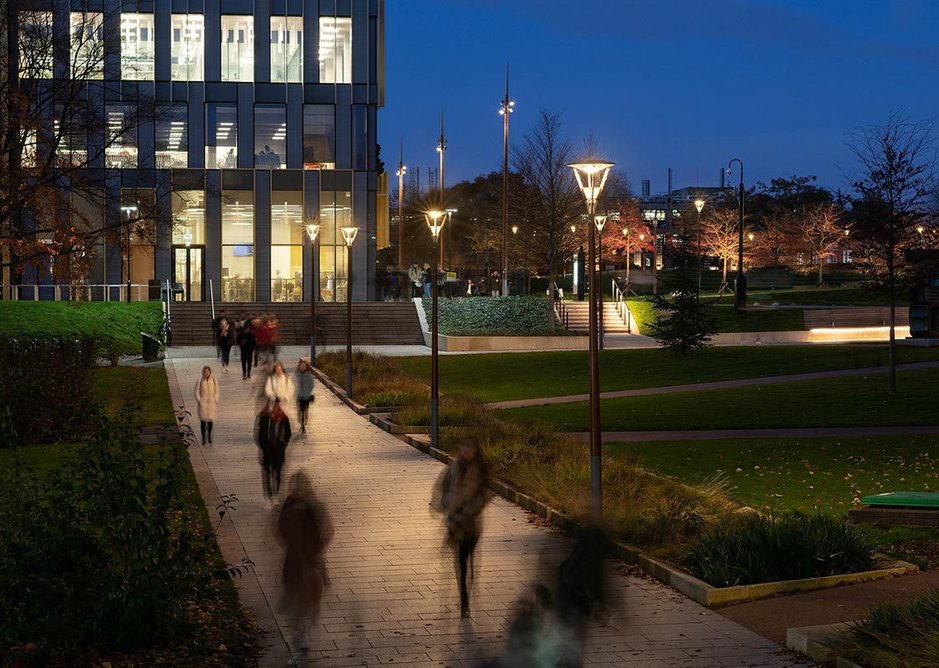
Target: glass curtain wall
{"type": "Point", "coordinates": [287, 233]}
{"type": "Point", "coordinates": [221, 144]}
{"type": "Point", "coordinates": [237, 246]}
{"type": "Point", "coordinates": [172, 137]}
{"type": "Point", "coordinates": [319, 136]}
{"type": "Point", "coordinates": [137, 47]}
{"type": "Point", "coordinates": [188, 47]}
{"type": "Point", "coordinates": [237, 48]}
{"type": "Point", "coordinates": [120, 151]}
{"type": "Point", "coordinates": [335, 49]}
{"type": "Point", "coordinates": [335, 212]}
{"type": "Point", "coordinates": [188, 217]}
{"type": "Point", "coordinates": [35, 44]}
{"type": "Point", "coordinates": [270, 136]}
{"type": "Point", "coordinates": [287, 49]}
{"type": "Point", "coordinates": [87, 47]}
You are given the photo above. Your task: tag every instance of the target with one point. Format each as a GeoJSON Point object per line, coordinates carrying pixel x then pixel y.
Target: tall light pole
{"type": "Point", "coordinates": [506, 109]}
{"type": "Point", "coordinates": [599, 221]}
{"type": "Point", "coordinates": [591, 177]}
{"type": "Point", "coordinates": [402, 169]}
{"type": "Point", "coordinates": [699, 207]}
{"type": "Point", "coordinates": [129, 210]}
{"type": "Point", "coordinates": [740, 282]}
{"type": "Point", "coordinates": [349, 234]}
{"type": "Point", "coordinates": [313, 231]}
{"type": "Point", "coordinates": [629, 259]}
{"type": "Point", "coordinates": [435, 220]}
{"type": "Point", "coordinates": [441, 149]}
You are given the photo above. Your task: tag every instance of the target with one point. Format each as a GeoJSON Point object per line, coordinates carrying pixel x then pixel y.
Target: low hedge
{"type": "Point", "coordinates": [528, 315]}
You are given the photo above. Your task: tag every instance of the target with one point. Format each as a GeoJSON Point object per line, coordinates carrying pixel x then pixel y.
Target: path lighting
{"type": "Point", "coordinates": [515, 229]}
{"type": "Point", "coordinates": [349, 234]}
{"type": "Point", "coordinates": [600, 221]}
{"type": "Point", "coordinates": [313, 231]}
{"type": "Point", "coordinates": [740, 282]}
{"type": "Point", "coordinates": [435, 221]}
{"type": "Point", "coordinates": [591, 177]}
{"type": "Point", "coordinates": [699, 207]}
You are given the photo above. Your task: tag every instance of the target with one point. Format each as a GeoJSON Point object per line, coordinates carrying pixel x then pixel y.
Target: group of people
{"type": "Point", "coordinates": [256, 337]}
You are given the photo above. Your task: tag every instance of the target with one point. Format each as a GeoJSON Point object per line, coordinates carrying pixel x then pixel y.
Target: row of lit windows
{"type": "Point", "coordinates": [171, 138]}
{"type": "Point", "coordinates": [187, 47]}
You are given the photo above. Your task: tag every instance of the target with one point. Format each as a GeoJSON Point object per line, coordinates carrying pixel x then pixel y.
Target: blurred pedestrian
{"type": "Point", "coordinates": [304, 383]}
{"type": "Point", "coordinates": [272, 433]}
{"type": "Point", "coordinates": [532, 641]}
{"type": "Point", "coordinates": [460, 494]}
{"type": "Point", "coordinates": [247, 345]}
{"type": "Point", "coordinates": [225, 339]}
{"type": "Point", "coordinates": [206, 394]}
{"type": "Point", "coordinates": [279, 387]}
{"type": "Point", "coordinates": [305, 530]}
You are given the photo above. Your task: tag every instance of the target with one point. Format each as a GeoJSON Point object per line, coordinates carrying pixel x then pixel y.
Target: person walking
{"type": "Point", "coordinates": [272, 436]}
{"type": "Point", "coordinates": [279, 387]}
{"type": "Point", "coordinates": [460, 494]}
{"type": "Point", "coordinates": [225, 340]}
{"type": "Point", "coordinates": [305, 530]}
{"type": "Point", "coordinates": [304, 383]}
{"type": "Point", "coordinates": [247, 345]}
{"type": "Point", "coordinates": [206, 394]}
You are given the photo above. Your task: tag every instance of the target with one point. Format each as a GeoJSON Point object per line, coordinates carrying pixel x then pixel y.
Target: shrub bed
{"type": "Point", "coordinates": [376, 380]}
{"type": "Point", "coordinates": [751, 548]}
{"type": "Point", "coordinates": [505, 316]}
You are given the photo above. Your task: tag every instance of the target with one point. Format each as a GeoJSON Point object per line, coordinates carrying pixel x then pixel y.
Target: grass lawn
{"type": "Point", "coordinates": [831, 402]}
{"type": "Point", "coordinates": [146, 386]}
{"type": "Point", "coordinates": [116, 323]}
{"type": "Point", "coordinates": [825, 475]}
{"type": "Point", "coordinates": [505, 376]}
{"type": "Point", "coordinates": [810, 296]}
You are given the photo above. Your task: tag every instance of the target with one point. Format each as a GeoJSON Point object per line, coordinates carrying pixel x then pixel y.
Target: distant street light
{"type": "Point", "coordinates": [435, 221]}
{"type": "Point", "coordinates": [591, 177]}
{"type": "Point", "coordinates": [740, 282]}
{"type": "Point", "coordinates": [506, 108]}
{"type": "Point", "coordinates": [313, 231]}
{"type": "Point", "coordinates": [349, 234]}
{"type": "Point", "coordinates": [130, 211]}
{"type": "Point", "coordinates": [600, 221]}
{"type": "Point", "coordinates": [699, 207]}
{"type": "Point", "coordinates": [400, 172]}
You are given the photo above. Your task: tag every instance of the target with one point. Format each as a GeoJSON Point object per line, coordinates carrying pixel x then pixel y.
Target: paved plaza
{"type": "Point", "coordinates": [393, 595]}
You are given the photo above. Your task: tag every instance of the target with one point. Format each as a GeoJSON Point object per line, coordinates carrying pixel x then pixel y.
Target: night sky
{"type": "Point", "coordinates": [686, 84]}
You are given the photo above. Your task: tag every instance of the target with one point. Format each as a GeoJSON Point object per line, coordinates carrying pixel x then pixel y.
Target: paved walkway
{"type": "Point", "coordinates": [393, 597]}
{"type": "Point", "coordinates": [714, 385]}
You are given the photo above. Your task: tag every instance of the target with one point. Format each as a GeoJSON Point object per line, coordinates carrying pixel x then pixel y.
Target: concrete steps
{"type": "Point", "coordinates": [579, 318]}
{"type": "Point", "coordinates": [373, 323]}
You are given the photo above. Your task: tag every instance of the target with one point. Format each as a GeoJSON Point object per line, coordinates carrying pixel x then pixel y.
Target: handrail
{"type": "Point", "coordinates": [621, 308]}
{"type": "Point", "coordinates": [560, 308]}
{"type": "Point", "coordinates": [212, 299]}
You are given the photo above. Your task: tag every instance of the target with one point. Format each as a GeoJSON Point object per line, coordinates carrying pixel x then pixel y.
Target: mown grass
{"type": "Point", "coordinates": [144, 386]}
{"type": "Point", "coordinates": [726, 319]}
{"type": "Point", "coordinates": [853, 401]}
{"type": "Point", "coordinates": [508, 376]}
{"type": "Point", "coordinates": [115, 325]}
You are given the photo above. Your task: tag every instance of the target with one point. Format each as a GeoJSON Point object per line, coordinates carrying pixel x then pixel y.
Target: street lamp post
{"type": "Point", "coordinates": [699, 207]}
{"type": "Point", "coordinates": [740, 282]}
{"type": "Point", "coordinates": [599, 221]}
{"type": "Point", "coordinates": [129, 210]}
{"type": "Point", "coordinates": [441, 149]}
{"type": "Point", "coordinates": [591, 177]}
{"type": "Point", "coordinates": [629, 259]}
{"type": "Point", "coordinates": [400, 172]}
{"type": "Point", "coordinates": [435, 220]}
{"type": "Point", "coordinates": [506, 109]}
{"type": "Point", "coordinates": [349, 234]}
{"type": "Point", "coordinates": [313, 231]}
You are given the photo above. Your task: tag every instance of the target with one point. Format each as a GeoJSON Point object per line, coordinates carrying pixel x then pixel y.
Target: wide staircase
{"type": "Point", "coordinates": [578, 318]}
{"type": "Point", "coordinates": [373, 323]}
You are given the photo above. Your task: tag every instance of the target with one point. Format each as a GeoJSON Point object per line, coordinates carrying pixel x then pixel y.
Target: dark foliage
{"type": "Point", "coordinates": [682, 323]}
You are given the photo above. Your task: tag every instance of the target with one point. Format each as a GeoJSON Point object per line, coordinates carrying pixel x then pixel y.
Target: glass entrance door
{"type": "Point", "coordinates": [189, 271]}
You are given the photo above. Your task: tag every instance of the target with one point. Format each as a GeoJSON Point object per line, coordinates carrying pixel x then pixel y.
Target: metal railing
{"type": "Point", "coordinates": [619, 298]}
{"type": "Point", "coordinates": [561, 312]}
{"type": "Point", "coordinates": [76, 292]}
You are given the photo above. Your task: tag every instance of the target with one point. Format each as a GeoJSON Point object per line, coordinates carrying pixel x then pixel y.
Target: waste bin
{"type": "Point", "coordinates": [151, 347]}
{"type": "Point", "coordinates": [154, 286]}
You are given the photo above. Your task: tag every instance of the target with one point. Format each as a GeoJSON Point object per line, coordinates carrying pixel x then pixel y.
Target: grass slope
{"type": "Point", "coordinates": [145, 386]}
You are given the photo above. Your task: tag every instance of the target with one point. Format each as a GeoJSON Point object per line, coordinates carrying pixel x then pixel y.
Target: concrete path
{"type": "Point", "coordinates": [775, 432]}
{"type": "Point", "coordinates": [393, 596]}
{"type": "Point", "coordinates": [715, 385]}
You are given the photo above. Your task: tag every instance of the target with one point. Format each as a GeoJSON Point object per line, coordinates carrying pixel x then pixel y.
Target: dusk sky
{"type": "Point", "coordinates": [686, 84]}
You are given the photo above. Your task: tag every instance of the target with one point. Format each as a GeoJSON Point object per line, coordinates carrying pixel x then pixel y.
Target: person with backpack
{"type": "Point", "coordinates": [247, 344]}
{"type": "Point", "coordinates": [272, 436]}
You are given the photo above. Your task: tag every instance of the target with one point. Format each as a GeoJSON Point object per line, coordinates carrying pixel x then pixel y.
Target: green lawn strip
{"type": "Point", "coordinates": [809, 296]}
{"type": "Point", "coordinates": [116, 325]}
{"type": "Point", "coordinates": [145, 386]}
{"type": "Point", "coordinates": [853, 401]}
{"type": "Point", "coordinates": [507, 376]}
{"type": "Point", "coordinates": [726, 319]}
{"type": "Point", "coordinates": [824, 475]}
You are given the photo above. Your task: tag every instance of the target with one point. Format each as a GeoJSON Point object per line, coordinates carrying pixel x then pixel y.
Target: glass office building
{"type": "Point", "coordinates": [262, 118]}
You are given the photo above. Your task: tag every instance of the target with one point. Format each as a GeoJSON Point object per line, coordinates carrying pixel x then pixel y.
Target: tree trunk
{"type": "Point", "coordinates": [892, 364]}
{"type": "Point", "coordinates": [552, 279]}
{"type": "Point", "coordinates": [821, 268]}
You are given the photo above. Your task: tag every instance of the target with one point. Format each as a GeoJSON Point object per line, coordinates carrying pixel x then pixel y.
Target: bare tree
{"type": "Point", "coordinates": [820, 230]}
{"type": "Point", "coordinates": [894, 190]}
{"type": "Point", "coordinates": [720, 233]}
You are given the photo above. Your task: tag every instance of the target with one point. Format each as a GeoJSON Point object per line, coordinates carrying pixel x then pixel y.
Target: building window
{"type": "Point", "coordinates": [287, 244]}
{"type": "Point", "coordinates": [286, 49]}
{"type": "Point", "coordinates": [270, 136]}
{"type": "Point", "coordinates": [137, 47]}
{"type": "Point", "coordinates": [335, 50]}
{"type": "Point", "coordinates": [359, 136]}
{"type": "Point", "coordinates": [70, 138]}
{"type": "Point", "coordinates": [186, 55]}
{"type": "Point", "coordinates": [35, 45]}
{"type": "Point", "coordinates": [221, 145]}
{"type": "Point", "coordinates": [319, 136]}
{"type": "Point", "coordinates": [120, 150]}
{"type": "Point", "coordinates": [87, 47]}
{"type": "Point", "coordinates": [237, 246]}
{"type": "Point", "coordinates": [335, 212]}
{"type": "Point", "coordinates": [137, 208]}
{"type": "Point", "coordinates": [237, 48]}
{"type": "Point", "coordinates": [172, 137]}
{"type": "Point", "coordinates": [188, 217]}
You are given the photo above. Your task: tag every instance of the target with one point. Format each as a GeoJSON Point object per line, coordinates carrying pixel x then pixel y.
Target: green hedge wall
{"type": "Point", "coordinates": [494, 316]}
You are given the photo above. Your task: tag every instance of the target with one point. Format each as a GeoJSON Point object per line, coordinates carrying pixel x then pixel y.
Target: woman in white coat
{"type": "Point", "coordinates": [279, 388]}
{"type": "Point", "coordinates": [206, 402]}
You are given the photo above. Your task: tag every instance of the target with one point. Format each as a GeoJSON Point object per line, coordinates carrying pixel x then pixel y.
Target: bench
{"type": "Point", "coordinates": [873, 316]}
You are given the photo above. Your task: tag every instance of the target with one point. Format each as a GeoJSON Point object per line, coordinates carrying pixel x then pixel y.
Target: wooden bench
{"type": "Point", "coordinates": [869, 316]}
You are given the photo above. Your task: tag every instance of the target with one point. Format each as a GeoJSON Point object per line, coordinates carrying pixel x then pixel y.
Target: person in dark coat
{"type": "Point", "coordinates": [272, 435]}
{"type": "Point", "coordinates": [225, 338]}
{"type": "Point", "coordinates": [460, 494]}
{"type": "Point", "coordinates": [247, 345]}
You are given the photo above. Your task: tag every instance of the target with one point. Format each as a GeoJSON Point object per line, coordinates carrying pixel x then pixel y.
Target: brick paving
{"type": "Point", "coordinates": [393, 597]}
